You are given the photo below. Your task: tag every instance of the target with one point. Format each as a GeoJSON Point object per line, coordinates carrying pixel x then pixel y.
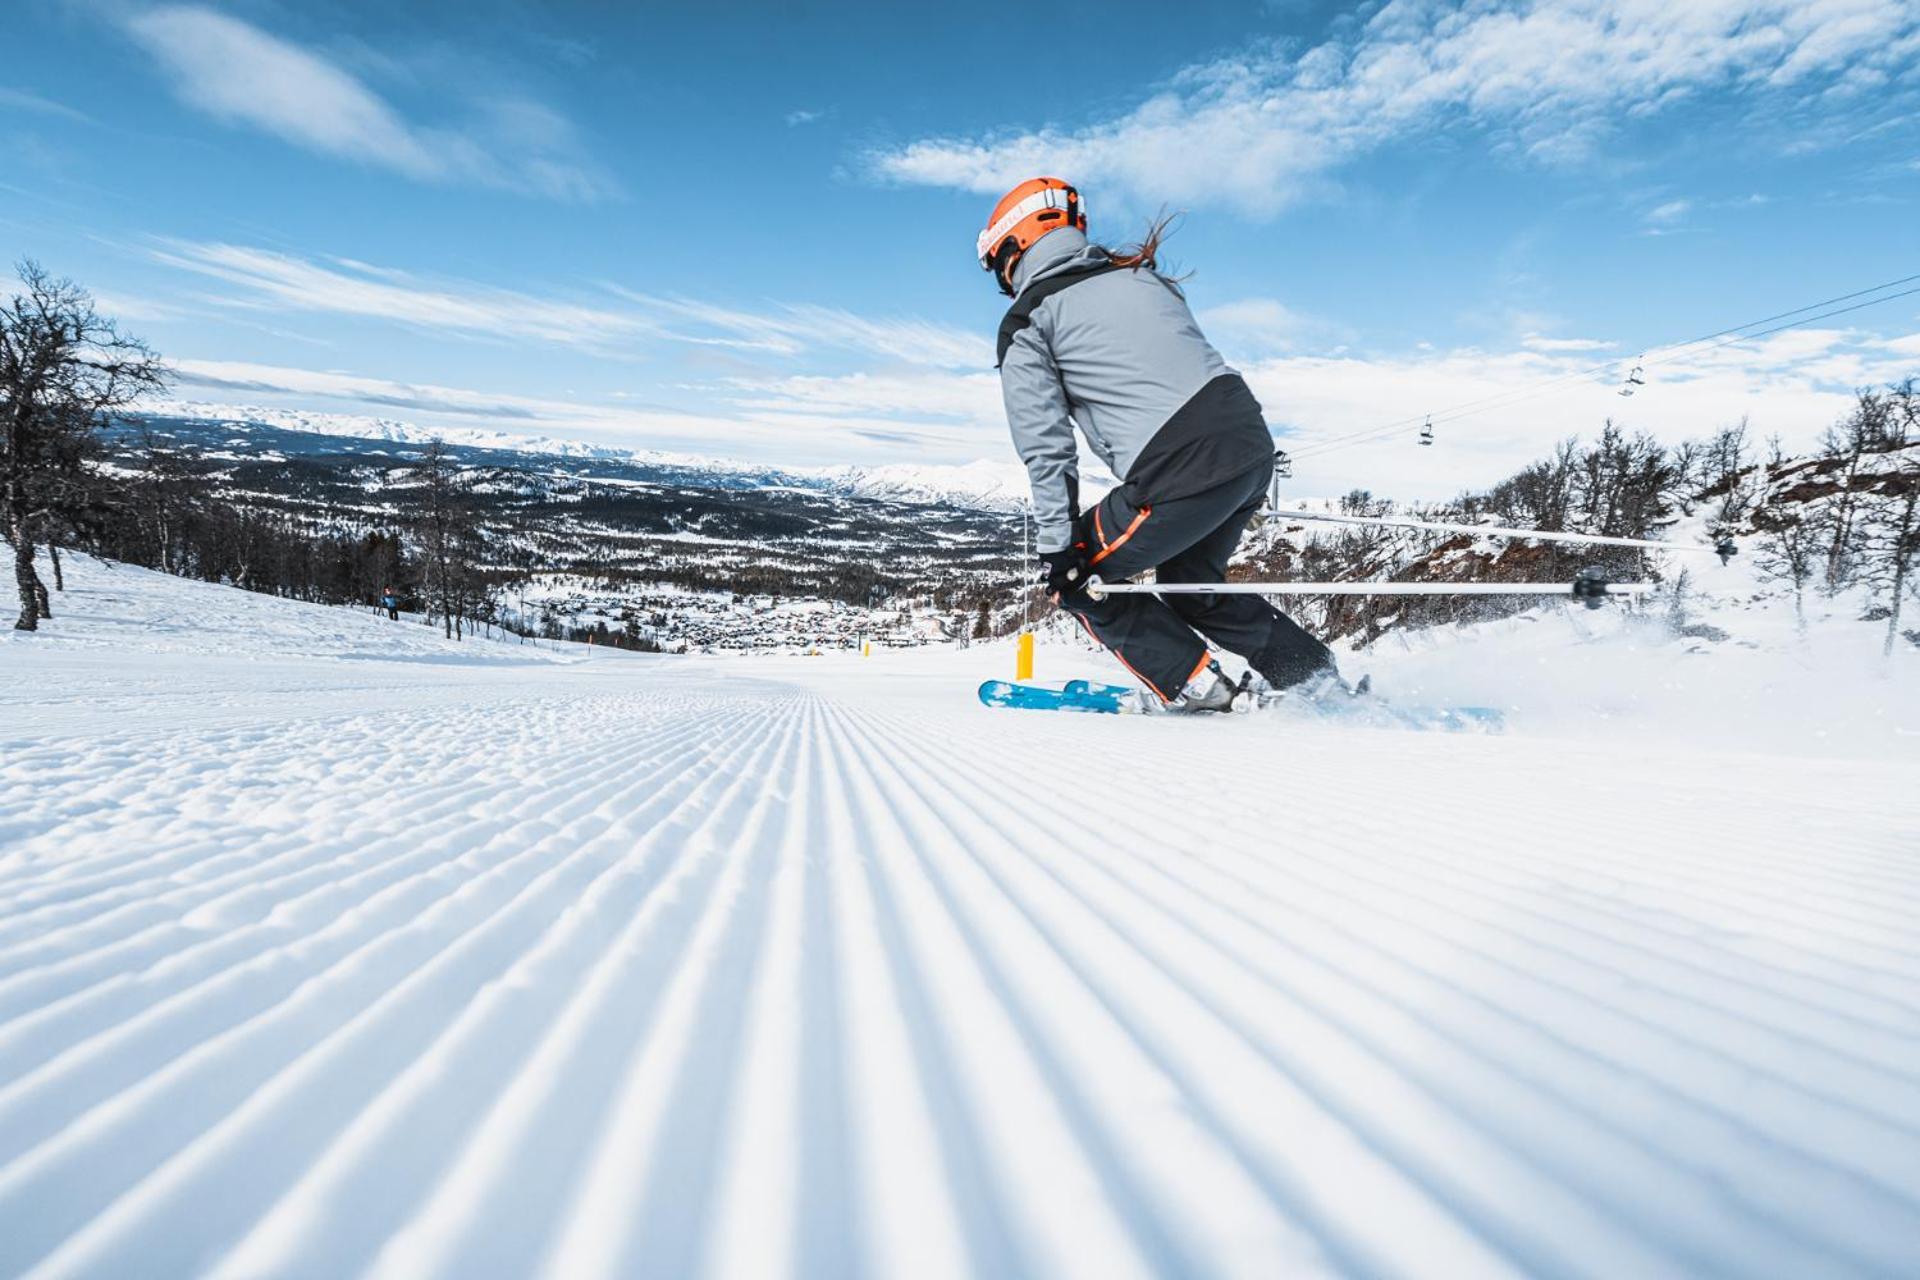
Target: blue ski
{"type": "Point", "coordinates": [1083, 687]}
{"type": "Point", "coordinates": [1364, 711]}
{"type": "Point", "coordinates": [1077, 695]}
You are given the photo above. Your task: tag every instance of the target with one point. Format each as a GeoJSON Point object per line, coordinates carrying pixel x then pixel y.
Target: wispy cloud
{"type": "Point", "coordinates": [1549, 79]}
{"type": "Point", "coordinates": [1669, 213]}
{"type": "Point", "coordinates": [237, 377]}
{"type": "Point", "coordinates": [805, 116]}
{"type": "Point", "coordinates": [926, 395]}
{"type": "Point", "coordinates": [1266, 326]}
{"type": "Point", "coordinates": [1540, 342]}
{"type": "Point", "coordinates": [1666, 219]}
{"type": "Point", "coordinates": [791, 328]}
{"type": "Point", "coordinates": [622, 323]}
{"type": "Point", "coordinates": [27, 100]}
{"type": "Point", "coordinates": [238, 73]}
{"type": "Point", "coordinates": [1793, 383]}
{"type": "Point", "coordinates": [775, 421]}
{"type": "Point", "coordinates": [286, 283]}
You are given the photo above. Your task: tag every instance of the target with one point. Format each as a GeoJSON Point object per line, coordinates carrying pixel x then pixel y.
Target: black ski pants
{"type": "Point", "coordinates": [1188, 540]}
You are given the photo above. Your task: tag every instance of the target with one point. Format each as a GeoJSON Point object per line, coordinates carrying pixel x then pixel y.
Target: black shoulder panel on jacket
{"type": "Point", "coordinates": [1020, 314]}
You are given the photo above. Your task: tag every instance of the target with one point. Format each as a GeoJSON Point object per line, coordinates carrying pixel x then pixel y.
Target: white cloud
{"type": "Point", "coordinates": [1549, 78]}
{"type": "Point", "coordinates": [908, 340]}
{"type": "Point", "coordinates": [266, 279]}
{"type": "Point", "coordinates": [278, 380]}
{"type": "Point", "coordinates": [1258, 325]}
{"type": "Point", "coordinates": [282, 282]}
{"type": "Point", "coordinates": [791, 328]}
{"type": "Point", "coordinates": [1539, 342]}
{"type": "Point", "coordinates": [972, 398]}
{"type": "Point", "coordinates": [26, 100]}
{"type": "Point", "coordinates": [240, 74]}
{"type": "Point", "coordinates": [933, 417]}
{"type": "Point", "coordinates": [803, 116]}
{"type": "Point", "coordinates": [1794, 383]}
{"type": "Point", "coordinates": [137, 307]}
{"type": "Point", "coordinates": [1665, 219]}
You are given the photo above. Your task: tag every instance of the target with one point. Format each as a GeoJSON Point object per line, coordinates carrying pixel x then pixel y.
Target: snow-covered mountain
{"type": "Point", "coordinates": [391, 430]}
{"type": "Point", "coordinates": [986, 484]}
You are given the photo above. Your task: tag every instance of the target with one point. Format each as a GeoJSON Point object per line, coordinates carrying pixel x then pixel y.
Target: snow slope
{"type": "Point", "coordinates": [329, 949]}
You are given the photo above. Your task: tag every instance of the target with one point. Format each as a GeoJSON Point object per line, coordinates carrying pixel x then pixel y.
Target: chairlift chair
{"type": "Point", "coordinates": [1426, 432]}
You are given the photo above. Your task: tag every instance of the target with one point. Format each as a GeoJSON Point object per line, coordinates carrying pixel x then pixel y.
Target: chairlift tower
{"type": "Point", "coordinates": [1282, 470]}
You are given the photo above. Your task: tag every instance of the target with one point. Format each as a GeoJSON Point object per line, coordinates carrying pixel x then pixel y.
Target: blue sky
{"type": "Point", "coordinates": [747, 230]}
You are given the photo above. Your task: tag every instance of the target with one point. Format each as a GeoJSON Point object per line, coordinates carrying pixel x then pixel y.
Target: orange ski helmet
{"type": "Point", "coordinates": [1024, 214]}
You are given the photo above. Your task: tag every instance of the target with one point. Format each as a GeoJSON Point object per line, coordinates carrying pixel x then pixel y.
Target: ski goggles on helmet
{"type": "Point", "coordinates": [1023, 215]}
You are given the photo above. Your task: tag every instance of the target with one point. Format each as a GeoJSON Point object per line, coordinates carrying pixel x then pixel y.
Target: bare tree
{"type": "Point", "coordinates": [1892, 544]}
{"type": "Point", "coordinates": [65, 372]}
{"type": "Point", "coordinates": [168, 491]}
{"type": "Point", "coordinates": [1890, 534]}
{"type": "Point", "coordinates": [1727, 472]}
{"type": "Point", "coordinates": [446, 532]}
{"type": "Point", "coordinates": [1790, 547]}
{"type": "Point", "coordinates": [1857, 435]}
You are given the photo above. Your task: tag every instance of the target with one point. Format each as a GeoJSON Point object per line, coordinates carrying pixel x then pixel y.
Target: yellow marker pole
{"type": "Point", "coordinates": [1023, 657]}
{"type": "Point", "coordinates": [866, 648]}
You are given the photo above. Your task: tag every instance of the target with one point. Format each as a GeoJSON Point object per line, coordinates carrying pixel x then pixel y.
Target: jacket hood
{"type": "Point", "coordinates": [1056, 251]}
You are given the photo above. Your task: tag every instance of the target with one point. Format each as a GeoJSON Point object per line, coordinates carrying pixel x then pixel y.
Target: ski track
{"type": "Point", "coordinates": [653, 968]}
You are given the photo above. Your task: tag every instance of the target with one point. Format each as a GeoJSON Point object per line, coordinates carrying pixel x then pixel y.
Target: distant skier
{"type": "Point", "coordinates": [390, 601]}
{"type": "Point", "coordinates": [1102, 341]}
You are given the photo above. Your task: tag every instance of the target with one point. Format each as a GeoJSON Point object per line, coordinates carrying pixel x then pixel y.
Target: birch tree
{"type": "Point", "coordinates": [65, 373]}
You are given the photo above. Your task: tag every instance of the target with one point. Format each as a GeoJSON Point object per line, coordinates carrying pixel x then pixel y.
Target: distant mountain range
{"type": "Point", "coordinates": [987, 484]}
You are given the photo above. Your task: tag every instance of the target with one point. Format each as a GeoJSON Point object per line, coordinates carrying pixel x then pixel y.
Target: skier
{"type": "Point", "coordinates": [1104, 342]}
{"type": "Point", "coordinates": [390, 601]}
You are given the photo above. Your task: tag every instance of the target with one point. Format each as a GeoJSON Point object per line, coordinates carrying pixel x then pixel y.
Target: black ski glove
{"type": "Point", "coordinates": [1064, 572]}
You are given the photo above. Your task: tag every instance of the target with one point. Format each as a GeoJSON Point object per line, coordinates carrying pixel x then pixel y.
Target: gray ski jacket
{"type": "Point", "coordinates": [1115, 352]}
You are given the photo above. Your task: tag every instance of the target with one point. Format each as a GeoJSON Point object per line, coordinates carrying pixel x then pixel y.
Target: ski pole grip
{"type": "Point", "coordinates": [1096, 589]}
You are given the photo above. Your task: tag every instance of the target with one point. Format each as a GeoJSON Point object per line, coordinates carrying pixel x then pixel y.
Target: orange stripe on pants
{"type": "Point", "coordinates": [1108, 548]}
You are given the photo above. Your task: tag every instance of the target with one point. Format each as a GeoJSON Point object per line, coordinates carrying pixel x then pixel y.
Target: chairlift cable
{"type": "Point", "coordinates": [1673, 351]}
{"type": "Point", "coordinates": [1670, 352]}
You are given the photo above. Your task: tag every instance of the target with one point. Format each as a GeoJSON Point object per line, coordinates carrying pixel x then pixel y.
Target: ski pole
{"type": "Point", "coordinates": [1723, 549]}
{"type": "Point", "coordinates": [1586, 588]}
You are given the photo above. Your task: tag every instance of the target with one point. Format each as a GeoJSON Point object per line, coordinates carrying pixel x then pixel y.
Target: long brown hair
{"type": "Point", "coordinates": [1146, 251]}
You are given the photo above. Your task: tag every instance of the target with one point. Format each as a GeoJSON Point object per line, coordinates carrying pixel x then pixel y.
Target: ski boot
{"type": "Point", "coordinates": [1210, 691]}
{"type": "Point", "coordinates": [1323, 690]}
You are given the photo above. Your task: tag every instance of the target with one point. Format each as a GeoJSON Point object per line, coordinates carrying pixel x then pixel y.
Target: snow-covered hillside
{"type": "Point", "coordinates": [330, 948]}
